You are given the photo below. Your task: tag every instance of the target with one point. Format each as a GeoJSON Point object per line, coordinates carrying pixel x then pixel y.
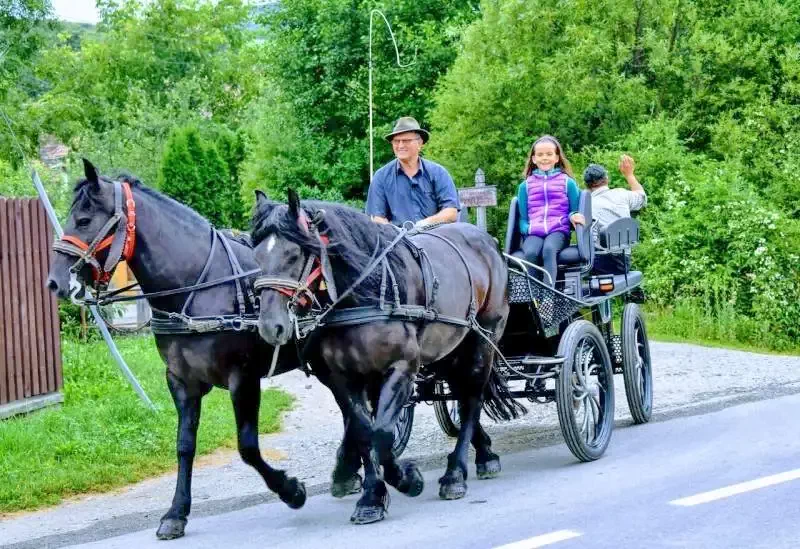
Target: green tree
{"type": "Point", "coordinates": [318, 53]}
{"type": "Point", "coordinates": [194, 172]}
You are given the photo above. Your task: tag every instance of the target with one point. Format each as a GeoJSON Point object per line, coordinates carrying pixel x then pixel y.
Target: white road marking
{"type": "Point", "coordinates": [735, 489]}
{"type": "Point", "coordinates": [270, 243]}
{"type": "Point", "coordinates": [541, 541]}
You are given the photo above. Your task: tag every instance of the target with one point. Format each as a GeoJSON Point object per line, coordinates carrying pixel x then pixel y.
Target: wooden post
{"type": "Point", "coordinates": [480, 181]}
{"type": "Point", "coordinates": [479, 197]}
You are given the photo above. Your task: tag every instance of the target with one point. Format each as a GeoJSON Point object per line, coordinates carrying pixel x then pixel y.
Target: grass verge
{"type": "Point", "coordinates": [103, 436]}
{"type": "Point", "coordinates": [686, 323]}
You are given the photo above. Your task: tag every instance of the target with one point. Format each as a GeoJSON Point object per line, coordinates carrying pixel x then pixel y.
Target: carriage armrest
{"type": "Point", "coordinates": [584, 232]}
{"type": "Point", "coordinates": [621, 235]}
{"type": "Point", "coordinates": [512, 230]}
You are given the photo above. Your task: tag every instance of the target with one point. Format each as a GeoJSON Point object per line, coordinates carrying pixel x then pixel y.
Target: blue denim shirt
{"type": "Point", "coordinates": [398, 198]}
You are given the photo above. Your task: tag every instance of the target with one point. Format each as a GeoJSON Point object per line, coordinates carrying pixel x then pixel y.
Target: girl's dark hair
{"type": "Point", "coordinates": [562, 163]}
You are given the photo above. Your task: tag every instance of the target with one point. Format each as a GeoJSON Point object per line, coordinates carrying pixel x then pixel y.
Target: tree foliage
{"type": "Point", "coordinates": [704, 94]}
{"type": "Point", "coordinates": [202, 174]}
{"type": "Point", "coordinates": [318, 53]}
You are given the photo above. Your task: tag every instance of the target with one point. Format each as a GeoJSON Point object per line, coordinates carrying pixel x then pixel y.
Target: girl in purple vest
{"type": "Point", "coordinates": [548, 201]}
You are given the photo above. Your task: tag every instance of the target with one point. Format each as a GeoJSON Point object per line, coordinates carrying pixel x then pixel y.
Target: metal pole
{"type": "Point", "coordinates": [51, 214]}
{"type": "Point", "coordinates": [480, 181]}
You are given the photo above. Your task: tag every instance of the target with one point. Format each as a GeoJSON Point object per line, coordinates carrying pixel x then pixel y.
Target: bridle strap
{"type": "Point", "coordinates": [122, 242]}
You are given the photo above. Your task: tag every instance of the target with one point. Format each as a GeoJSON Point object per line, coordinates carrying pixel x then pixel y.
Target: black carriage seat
{"type": "Point", "coordinates": [578, 257]}
{"type": "Point", "coordinates": [618, 238]}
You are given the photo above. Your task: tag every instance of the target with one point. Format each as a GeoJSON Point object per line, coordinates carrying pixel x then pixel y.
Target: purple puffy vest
{"type": "Point", "coordinates": [548, 203]}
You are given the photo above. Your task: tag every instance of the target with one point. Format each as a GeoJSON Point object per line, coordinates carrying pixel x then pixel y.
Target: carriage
{"type": "Point", "coordinates": [551, 351]}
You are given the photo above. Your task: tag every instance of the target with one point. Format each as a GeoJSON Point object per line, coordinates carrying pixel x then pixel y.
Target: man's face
{"type": "Point", "coordinates": [406, 145]}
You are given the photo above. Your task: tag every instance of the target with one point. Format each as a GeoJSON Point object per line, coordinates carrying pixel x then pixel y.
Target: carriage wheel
{"type": "Point", "coordinates": [402, 430]}
{"type": "Point", "coordinates": [636, 369]}
{"type": "Point", "coordinates": [446, 411]}
{"type": "Point", "coordinates": [585, 391]}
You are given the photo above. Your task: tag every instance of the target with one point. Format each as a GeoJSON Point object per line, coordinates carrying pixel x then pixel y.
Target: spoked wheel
{"type": "Point", "coordinates": [402, 430]}
{"type": "Point", "coordinates": [446, 411]}
{"type": "Point", "coordinates": [585, 391]}
{"type": "Point", "coordinates": [636, 369]}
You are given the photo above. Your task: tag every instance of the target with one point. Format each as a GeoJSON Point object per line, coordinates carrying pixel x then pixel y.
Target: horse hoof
{"type": "Point", "coordinates": [413, 483]}
{"type": "Point", "coordinates": [452, 486]}
{"type": "Point", "coordinates": [349, 486]}
{"type": "Point", "coordinates": [489, 469]}
{"type": "Point", "coordinates": [452, 491]}
{"type": "Point", "coordinates": [297, 494]}
{"type": "Point", "coordinates": [369, 513]}
{"type": "Point", "coordinates": [171, 529]}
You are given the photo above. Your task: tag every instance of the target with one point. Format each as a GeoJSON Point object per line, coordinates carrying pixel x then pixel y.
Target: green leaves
{"type": "Point", "coordinates": [203, 174]}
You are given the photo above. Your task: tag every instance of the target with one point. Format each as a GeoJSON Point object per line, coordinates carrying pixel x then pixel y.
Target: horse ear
{"type": "Point", "coordinates": [294, 202]}
{"type": "Point", "coordinates": [297, 211]}
{"type": "Point", "coordinates": [261, 197]}
{"type": "Point", "coordinates": [91, 172]}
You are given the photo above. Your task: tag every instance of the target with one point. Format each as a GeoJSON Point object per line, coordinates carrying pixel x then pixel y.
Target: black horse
{"type": "Point", "coordinates": [376, 362]}
{"type": "Point", "coordinates": [169, 246]}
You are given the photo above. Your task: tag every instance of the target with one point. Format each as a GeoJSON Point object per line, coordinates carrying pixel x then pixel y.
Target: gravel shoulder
{"type": "Point", "coordinates": [689, 380]}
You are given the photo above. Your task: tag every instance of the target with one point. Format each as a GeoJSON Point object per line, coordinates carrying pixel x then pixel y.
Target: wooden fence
{"type": "Point", "coordinates": [30, 345]}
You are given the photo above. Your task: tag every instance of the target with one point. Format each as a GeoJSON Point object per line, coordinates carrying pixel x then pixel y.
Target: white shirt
{"type": "Point", "coordinates": [608, 205]}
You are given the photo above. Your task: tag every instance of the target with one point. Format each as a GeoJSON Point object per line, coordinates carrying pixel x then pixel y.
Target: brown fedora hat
{"type": "Point", "coordinates": [407, 124]}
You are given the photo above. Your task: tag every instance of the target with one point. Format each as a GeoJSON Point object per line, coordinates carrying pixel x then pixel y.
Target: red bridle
{"type": "Point", "coordinates": [291, 289]}
{"type": "Point", "coordinates": [87, 253]}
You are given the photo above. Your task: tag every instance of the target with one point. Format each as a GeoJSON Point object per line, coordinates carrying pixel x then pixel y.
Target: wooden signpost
{"type": "Point", "coordinates": [480, 196]}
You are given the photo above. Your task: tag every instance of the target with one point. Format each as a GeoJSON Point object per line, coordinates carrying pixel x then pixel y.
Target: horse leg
{"type": "Point", "coordinates": [246, 397]}
{"type": "Point", "coordinates": [374, 501]}
{"type": "Point", "coordinates": [487, 463]}
{"type": "Point", "coordinates": [187, 403]}
{"type": "Point", "coordinates": [453, 484]}
{"type": "Point", "coordinates": [394, 394]}
{"type": "Point", "coordinates": [345, 479]}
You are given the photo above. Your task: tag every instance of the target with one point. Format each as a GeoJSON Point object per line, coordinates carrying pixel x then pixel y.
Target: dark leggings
{"type": "Point", "coordinates": [547, 248]}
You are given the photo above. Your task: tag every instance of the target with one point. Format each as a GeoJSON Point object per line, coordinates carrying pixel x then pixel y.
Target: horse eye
{"type": "Point", "coordinates": [84, 222]}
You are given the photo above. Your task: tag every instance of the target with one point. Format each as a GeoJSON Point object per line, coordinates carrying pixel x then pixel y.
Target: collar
{"type": "Point", "coordinates": [420, 168]}
{"type": "Point", "coordinates": [600, 190]}
{"type": "Point", "coordinates": [553, 171]}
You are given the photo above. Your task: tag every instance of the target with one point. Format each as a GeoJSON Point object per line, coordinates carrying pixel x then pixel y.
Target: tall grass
{"type": "Point", "coordinates": [691, 321]}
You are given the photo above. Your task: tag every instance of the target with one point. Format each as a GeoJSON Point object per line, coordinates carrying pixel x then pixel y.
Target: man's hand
{"type": "Point", "coordinates": [626, 165]}
{"type": "Point", "coordinates": [446, 215]}
{"type": "Point", "coordinates": [577, 219]}
{"type": "Point", "coordinates": [379, 219]}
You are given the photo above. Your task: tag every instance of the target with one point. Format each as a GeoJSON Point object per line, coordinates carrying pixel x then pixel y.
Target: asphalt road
{"type": "Point", "coordinates": [742, 463]}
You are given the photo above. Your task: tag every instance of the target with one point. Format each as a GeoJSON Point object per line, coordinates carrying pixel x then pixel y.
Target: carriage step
{"type": "Point", "coordinates": [535, 360]}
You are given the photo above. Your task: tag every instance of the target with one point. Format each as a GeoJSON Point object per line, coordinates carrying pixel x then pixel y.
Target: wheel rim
{"type": "Point", "coordinates": [452, 411]}
{"type": "Point", "coordinates": [450, 405]}
{"type": "Point", "coordinates": [589, 387]}
{"type": "Point", "coordinates": [642, 367]}
{"type": "Point", "coordinates": [401, 428]}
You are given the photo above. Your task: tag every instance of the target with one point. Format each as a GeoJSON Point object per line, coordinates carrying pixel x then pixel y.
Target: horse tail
{"type": "Point", "coordinates": [498, 403]}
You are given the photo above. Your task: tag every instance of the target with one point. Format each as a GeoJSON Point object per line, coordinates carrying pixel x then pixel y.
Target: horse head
{"type": "Point", "coordinates": [285, 244]}
{"type": "Point", "coordinates": [100, 231]}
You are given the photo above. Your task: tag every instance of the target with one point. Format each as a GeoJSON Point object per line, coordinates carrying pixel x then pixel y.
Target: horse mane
{"type": "Point", "coordinates": [353, 238]}
{"type": "Point", "coordinates": [82, 191]}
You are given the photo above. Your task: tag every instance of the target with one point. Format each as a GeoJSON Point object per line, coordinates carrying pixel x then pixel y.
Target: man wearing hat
{"type": "Point", "coordinates": [411, 188]}
{"type": "Point", "coordinates": [608, 205]}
